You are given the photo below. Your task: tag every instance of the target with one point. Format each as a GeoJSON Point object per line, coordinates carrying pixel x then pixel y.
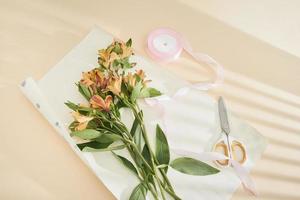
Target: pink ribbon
{"type": "Point", "coordinates": [166, 45]}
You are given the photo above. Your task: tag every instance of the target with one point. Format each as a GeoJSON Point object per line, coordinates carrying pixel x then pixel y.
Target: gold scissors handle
{"type": "Point", "coordinates": [235, 151]}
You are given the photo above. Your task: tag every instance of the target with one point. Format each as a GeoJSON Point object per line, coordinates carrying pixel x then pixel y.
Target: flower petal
{"type": "Point", "coordinates": [115, 85]}
{"type": "Point", "coordinates": [108, 100]}
{"type": "Point", "coordinates": [81, 118]}
{"type": "Point", "coordinates": [81, 126]}
{"type": "Point", "coordinates": [97, 102]}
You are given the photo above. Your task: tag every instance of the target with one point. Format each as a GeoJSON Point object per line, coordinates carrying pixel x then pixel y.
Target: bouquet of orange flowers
{"type": "Point", "coordinates": [112, 86]}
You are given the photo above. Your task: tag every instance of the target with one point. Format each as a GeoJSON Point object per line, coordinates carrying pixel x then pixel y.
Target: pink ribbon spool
{"type": "Point", "coordinates": [165, 45]}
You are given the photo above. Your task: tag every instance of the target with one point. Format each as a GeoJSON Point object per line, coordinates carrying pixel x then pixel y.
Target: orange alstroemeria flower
{"type": "Point", "coordinates": [98, 102]}
{"type": "Point", "coordinates": [115, 85]}
{"type": "Point", "coordinates": [141, 74]}
{"type": "Point", "coordinates": [94, 79]}
{"type": "Point", "coordinates": [100, 80]}
{"type": "Point", "coordinates": [126, 51]}
{"type": "Point", "coordinates": [130, 79]}
{"type": "Point", "coordinates": [104, 57]}
{"type": "Point", "coordinates": [113, 56]}
{"type": "Point", "coordinates": [108, 56]}
{"type": "Point", "coordinates": [87, 79]}
{"type": "Point", "coordinates": [82, 121]}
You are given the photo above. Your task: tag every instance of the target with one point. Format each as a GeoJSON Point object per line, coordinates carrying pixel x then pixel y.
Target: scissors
{"type": "Point", "coordinates": [227, 145]}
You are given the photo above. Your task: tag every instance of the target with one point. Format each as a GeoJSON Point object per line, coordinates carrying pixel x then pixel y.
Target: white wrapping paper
{"type": "Point", "coordinates": [191, 123]}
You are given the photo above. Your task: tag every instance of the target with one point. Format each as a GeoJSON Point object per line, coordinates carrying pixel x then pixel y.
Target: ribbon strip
{"type": "Point", "coordinates": [166, 45]}
{"type": "Point", "coordinates": [240, 171]}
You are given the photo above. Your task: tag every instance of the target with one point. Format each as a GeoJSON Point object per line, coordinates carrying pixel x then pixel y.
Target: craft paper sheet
{"type": "Point", "coordinates": [191, 123]}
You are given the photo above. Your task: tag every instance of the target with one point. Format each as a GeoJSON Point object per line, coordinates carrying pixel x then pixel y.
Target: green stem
{"type": "Point", "coordinates": [153, 192]}
{"type": "Point", "coordinates": [171, 193]}
{"type": "Point", "coordinates": [163, 173]}
{"type": "Point", "coordinates": [160, 186]}
{"type": "Point", "coordinates": [141, 172]}
{"type": "Point", "coordinates": [167, 187]}
{"type": "Point", "coordinates": [132, 148]}
{"type": "Point", "coordinates": [153, 158]}
{"type": "Point", "coordinates": [142, 158]}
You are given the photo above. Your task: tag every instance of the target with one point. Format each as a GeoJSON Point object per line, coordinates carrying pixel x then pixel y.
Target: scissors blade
{"type": "Point", "coordinates": [223, 116]}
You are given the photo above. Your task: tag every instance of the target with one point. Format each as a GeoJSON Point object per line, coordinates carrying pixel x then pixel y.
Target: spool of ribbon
{"type": "Point", "coordinates": [166, 45]}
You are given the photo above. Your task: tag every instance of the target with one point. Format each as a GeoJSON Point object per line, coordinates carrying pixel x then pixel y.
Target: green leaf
{"type": "Point", "coordinates": [146, 154]}
{"type": "Point", "coordinates": [134, 127]}
{"type": "Point", "coordinates": [162, 151]}
{"type": "Point", "coordinates": [84, 109]}
{"type": "Point", "coordinates": [129, 42]}
{"type": "Point", "coordinates": [71, 105]}
{"type": "Point", "coordinates": [86, 134]}
{"type": "Point", "coordinates": [73, 125]}
{"type": "Point", "coordinates": [138, 140]}
{"type": "Point", "coordinates": [139, 91]}
{"type": "Point", "coordinates": [116, 63]}
{"type": "Point", "coordinates": [85, 92]}
{"type": "Point", "coordinates": [138, 193]}
{"type": "Point", "coordinates": [92, 124]}
{"type": "Point", "coordinates": [193, 167]}
{"type": "Point", "coordinates": [149, 92]}
{"type": "Point", "coordinates": [121, 104]}
{"type": "Point", "coordinates": [117, 49]}
{"type": "Point", "coordinates": [136, 91]}
{"type": "Point", "coordinates": [108, 138]}
{"type": "Point", "coordinates": [126, 64]}
{"type": "Point", "coordinates": [110, 148]}
{"type": "Point", "coordinates": [136, 133]}
{"type": "Point", "coordinates": [124, 91]}
{"type": "Point", "coordinates": [94, 145]}
{"type": "Point", "coordinates": [127, 163]}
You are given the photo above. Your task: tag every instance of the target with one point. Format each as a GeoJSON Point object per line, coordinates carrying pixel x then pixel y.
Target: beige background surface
{"type": "Point", "coordinates": [262, 86]}
{"type": "Point", "coordinates": [276, 22]}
